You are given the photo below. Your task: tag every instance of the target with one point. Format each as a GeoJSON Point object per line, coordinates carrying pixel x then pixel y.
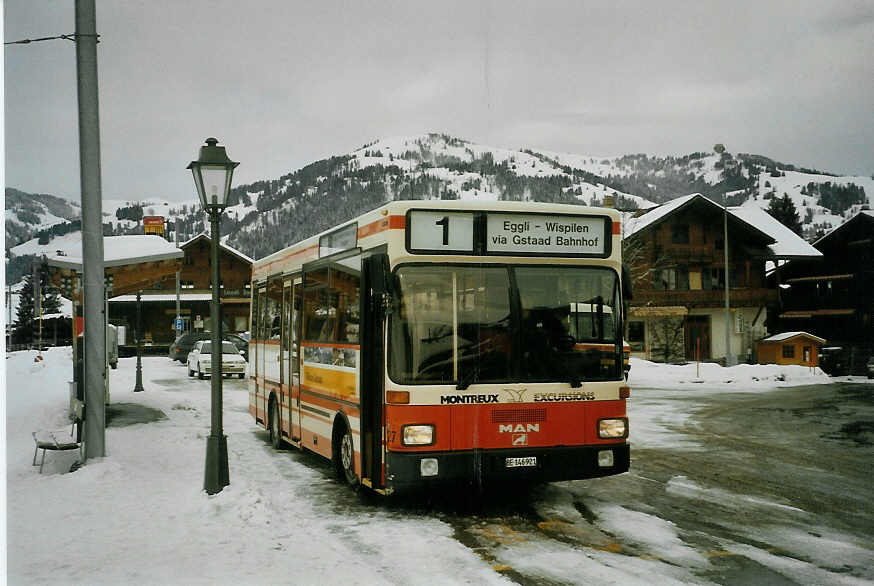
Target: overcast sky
{"type": "Point", "coordinates": [283, 83]}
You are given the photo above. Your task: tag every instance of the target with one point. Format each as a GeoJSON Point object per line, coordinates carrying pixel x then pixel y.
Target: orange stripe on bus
{"type": "Point", "coordinates": [381, 225]}
{"type": "Point", "coordinates": [315, 398]}
{"type": "Point", "coordinates": [327, 345]}
{"type": "Point", "coordinates": [617, 228]}
{"type": "Point", "coordinates": [286, 258]}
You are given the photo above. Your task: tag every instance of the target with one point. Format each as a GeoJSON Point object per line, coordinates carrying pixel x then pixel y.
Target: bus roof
{"type": "Point", "coordinates": [399, 208]}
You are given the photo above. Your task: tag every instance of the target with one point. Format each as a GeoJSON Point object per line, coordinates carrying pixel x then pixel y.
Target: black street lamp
{"type": "Point", "coordinates": [213, 171]}
{"type": "Point", "coordinates": [138, 386]}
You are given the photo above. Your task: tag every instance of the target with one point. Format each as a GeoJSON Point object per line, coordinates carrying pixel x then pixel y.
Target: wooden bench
{"type": "Point", "coordinates": [54, 440]}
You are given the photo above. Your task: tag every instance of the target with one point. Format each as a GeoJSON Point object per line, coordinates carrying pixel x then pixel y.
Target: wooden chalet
{"type": "Point", "coordinates": [195, 294]}
{"type": "Point", "coordinates": [676, 254]}
{"type": "Point", "coordinates": [790, 348]}
{"type": "Point", "coordinates": [834, 298]}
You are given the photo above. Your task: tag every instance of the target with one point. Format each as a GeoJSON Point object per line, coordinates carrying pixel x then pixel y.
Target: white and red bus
{"type": "Point", "coordinates": [447, 341]}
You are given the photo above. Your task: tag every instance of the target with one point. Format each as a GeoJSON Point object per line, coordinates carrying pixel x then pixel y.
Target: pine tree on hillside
{"type": "Point", "coordinates": [783, 209]}
{"type": "Point", "coordinates": [23, 327]}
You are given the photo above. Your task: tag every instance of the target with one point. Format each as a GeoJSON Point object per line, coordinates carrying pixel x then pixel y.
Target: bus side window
{"type": "Point", "coordinates": [331, 312]}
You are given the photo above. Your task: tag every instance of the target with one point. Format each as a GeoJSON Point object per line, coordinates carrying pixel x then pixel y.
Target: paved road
{"type": "Point", "coordinates": [763, 488]}
{"type": "Point", "coordinates": [728, 488]}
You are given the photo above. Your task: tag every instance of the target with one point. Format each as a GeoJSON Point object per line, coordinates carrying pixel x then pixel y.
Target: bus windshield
{"type": "Point", "coordinates": [465, 324]}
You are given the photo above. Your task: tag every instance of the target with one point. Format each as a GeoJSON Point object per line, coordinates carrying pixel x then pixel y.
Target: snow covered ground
{"type": "Point", "coordinates": [140, 516]}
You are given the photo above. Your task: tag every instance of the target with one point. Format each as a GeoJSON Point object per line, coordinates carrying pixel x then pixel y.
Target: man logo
{"type": "Point", "coordinates": [516, 395]}
{"type": "Point", "coordinates": [519, 428]}
{"type": "Point", "coordinates": [520, 439]}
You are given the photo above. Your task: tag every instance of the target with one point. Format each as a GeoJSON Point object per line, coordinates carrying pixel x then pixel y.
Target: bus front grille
{"type": "Point", "coordinates": [518, 415]}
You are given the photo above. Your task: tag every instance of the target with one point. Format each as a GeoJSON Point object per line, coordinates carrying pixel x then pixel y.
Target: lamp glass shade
{"type": "Point", "coordinates": [213, 184]}
{"type": "Point", "coordinates": [213, 172]}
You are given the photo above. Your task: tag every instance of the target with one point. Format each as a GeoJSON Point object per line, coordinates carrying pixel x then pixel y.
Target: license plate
{"type": "Point", "coordinates": [521, 462]}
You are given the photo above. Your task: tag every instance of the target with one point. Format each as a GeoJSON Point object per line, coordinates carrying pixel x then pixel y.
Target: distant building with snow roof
{"type": "Point", "coordinates": [195, 281]}
{"type": "Point", "coordinates": [800, 348]}
{"type": "Point", "coordinates": [834, 298]}
{"type": "Point", "coordinates": [676, 253]}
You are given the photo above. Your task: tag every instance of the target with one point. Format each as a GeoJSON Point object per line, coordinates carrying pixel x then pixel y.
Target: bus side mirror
{"type": "Point", "coordinates": [627, 293]}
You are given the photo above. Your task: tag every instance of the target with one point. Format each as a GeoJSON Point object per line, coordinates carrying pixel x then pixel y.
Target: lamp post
{"type": "Point", "coordinates": [213, 171]}
{"type": "Point", "coordinates": [138, 387]}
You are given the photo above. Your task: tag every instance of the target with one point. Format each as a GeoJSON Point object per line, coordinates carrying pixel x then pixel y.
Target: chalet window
{"type": "Point", "coordinates": [824, 288]}
{"type": "Point", "coordinates": [788, 351]}
{"type": "Point", "coordinates": [682, 282]}
{"type": "Point", "coordinates": [680, 234]}
{"type": "Point", "coordinates": [189, 260]}
{"type": "Point", "coordinates": [715, 278]}
{"type": "Point", "coordinates": [676, 278]}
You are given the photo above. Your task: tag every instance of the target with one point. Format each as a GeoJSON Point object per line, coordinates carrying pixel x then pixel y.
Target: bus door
{"type": "Point", "coordinates": [259, 336]}
{"type": "Point", "coordinates": [291, 363]}
{"type": "Point", "coordinates": [374, 291]}
{"type": "Point", "coordinates": [284, 359]}
{"type": "Point", "coordinates": [273, 325]}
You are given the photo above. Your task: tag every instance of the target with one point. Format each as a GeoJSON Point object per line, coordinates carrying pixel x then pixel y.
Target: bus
{"type": "Point", "coordinates": [447, 342]}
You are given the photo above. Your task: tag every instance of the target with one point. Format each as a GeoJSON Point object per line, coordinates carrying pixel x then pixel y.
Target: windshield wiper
{"type": "Point", "coordinates": [467, 377]}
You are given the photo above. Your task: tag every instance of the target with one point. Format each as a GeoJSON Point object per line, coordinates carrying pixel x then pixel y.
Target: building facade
{"type": "Point", "coordinates": [676, 253]}
{"type": "Point", "coordinates": [834, 298]}
{"type": "Point", "coordinates": [158, 300]}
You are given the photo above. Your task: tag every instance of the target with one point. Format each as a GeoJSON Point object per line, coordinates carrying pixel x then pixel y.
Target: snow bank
{"type": "Point", "coordinates": [140, 516]}
{"type": "Point", "coordinates": [740, 378]}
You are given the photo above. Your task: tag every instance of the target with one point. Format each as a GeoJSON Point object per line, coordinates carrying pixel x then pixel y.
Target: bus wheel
{"type": "Point", "coordinates": [344, 454]}
{"type": "Point", "coordinates": [275, 433]}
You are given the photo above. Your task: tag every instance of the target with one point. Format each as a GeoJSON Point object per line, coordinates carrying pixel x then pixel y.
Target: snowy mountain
{"type": "Point", "coordinates": [270, 214]}
{"type": "Point", "coordinates": [27, 213]}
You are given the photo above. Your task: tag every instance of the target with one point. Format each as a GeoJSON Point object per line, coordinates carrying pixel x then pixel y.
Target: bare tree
{"type": "Point", "coordinates": [668, 338]}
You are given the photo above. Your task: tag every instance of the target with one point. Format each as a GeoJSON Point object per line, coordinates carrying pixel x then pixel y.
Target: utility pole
{"type": "Point", "coordinates": [178, 286]}
{"type": "Point", "coordinates": [92, 228]}
{"type": "Point", "coordinates": [729, 359]}
{"type": "Point", "coordinates": [37, 306]}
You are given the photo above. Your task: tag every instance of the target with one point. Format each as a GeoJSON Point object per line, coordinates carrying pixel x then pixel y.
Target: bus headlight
{"type": "Point", "coordinates": [612, 428]}
{"type": "Point", "coordinates": [417, 435]}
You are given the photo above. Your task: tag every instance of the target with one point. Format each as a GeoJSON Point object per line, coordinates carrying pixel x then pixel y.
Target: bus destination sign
{"type": "Point", "coordinates": [507, 233]}
{"type": "Point", "coordinates": [547, 234]}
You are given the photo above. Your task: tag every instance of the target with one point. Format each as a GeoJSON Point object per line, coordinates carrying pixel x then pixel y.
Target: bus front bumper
{"type": "Point", "coordinates": [409, 471]}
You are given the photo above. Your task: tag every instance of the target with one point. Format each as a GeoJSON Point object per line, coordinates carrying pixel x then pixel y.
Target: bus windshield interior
{"type": "Point", "coordinates": [465, 324]}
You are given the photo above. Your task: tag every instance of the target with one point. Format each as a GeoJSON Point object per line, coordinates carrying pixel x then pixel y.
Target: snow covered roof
{"type": "Point", "coordinates": [117, 251]}
{"type": "Point", "coordinates": [661, 212]}
{"type": "Point", "coordinates": [788, 244]}
{"type": "Point", "coordinates": [784, 244]}
{"type": "Point", "coordinates": [657, 214]}
{"type": "Point", "coordinates": [787, 335]}
{"type": "Point", "coordinates": [864, 215]}
{"type": "Point", "coordinates": [163, 297]}
{"type": "Point", "coordinates": [222, 243]}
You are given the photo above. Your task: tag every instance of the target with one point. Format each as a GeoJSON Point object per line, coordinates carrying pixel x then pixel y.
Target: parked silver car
{"type": "Point", "coordinates": [200, 358]}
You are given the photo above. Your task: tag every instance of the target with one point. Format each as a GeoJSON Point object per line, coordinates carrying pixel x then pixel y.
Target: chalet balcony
{"type": "Point", "coordinates": [692, 254]}
{"type": "Point", "coordinates": [740, 297]}
{"type": "Point", "coordinates": [816, 303]}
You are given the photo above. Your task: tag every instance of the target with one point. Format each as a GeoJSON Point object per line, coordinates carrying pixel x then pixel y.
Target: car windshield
{"type": "Point", "coordinates": [467, 324]}
{"type": "Point", "coordinates": [227, 348]}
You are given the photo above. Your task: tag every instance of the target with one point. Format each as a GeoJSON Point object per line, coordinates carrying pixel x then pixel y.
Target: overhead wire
{"type": "Point", "coordinates": [70, 37]}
